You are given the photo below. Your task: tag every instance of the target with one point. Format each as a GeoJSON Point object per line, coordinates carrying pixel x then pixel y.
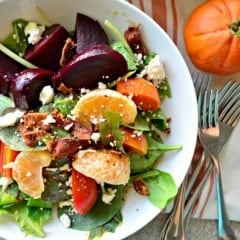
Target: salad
{"type": "Point", "coordinates": [80, 123]}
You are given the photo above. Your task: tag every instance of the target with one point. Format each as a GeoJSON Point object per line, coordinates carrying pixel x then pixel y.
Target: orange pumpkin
{"type": "Point", "coordinates": [212, 36]}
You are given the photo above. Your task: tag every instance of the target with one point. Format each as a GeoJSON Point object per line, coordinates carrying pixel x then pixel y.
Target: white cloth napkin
{"type": "Point", "coordinates": [171, 16]}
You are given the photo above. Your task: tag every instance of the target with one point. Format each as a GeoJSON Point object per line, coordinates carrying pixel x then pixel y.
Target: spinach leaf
{"type": "Point", "coordinates": [162, 189]}
{"type": "Point", "coordinates": [7, 199]}
{"type": "Point", "coordinates": [129, 57]}
{"type": "Point", "coordinates": [5, 102]}
{"type": "Point", "coordinates": [100, 214]}
{"type": "Point", "coordinates": [142, 163]}
{"type": "Point", "coordinates": [55, 187]}
{"type": "Point", "coordinates": [161, 147]}
{"type": "Point", "coordinates": [140, 123]}
{"type": "Point", "coordinates": [158, 119]}
{"type": "Point", "coordinates": [164, 89]}
{"type": "Point", "coordinates": [11, 137]}
{"type": "Point", "coordinates": [110, 226]}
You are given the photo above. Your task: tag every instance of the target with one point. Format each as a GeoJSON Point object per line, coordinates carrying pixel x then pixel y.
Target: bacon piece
{"type": "Point", "coordinates": [68, 52]}
{"type": "Point", "coordinates": [63, 147]}
{"type": "Point", "coordinates": [134, 39]}
{"type": "Point", "coordinates": [32, 128]}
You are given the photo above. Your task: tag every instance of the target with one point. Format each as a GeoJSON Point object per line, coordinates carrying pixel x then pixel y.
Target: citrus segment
{"type": "Point", "coordinates": [103, 165]}
{"type": "Point", "coordinates": [93, 104]}
{"type": "Point", "coordinates": [27, 171]}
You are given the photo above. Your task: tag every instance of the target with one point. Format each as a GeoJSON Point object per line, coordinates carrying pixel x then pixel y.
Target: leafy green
{"type": "Point", "coordinates": [142, 163]}
{"type": "Point", "coordinates": [29, 220]}
{"type": "Point", "coordinates": [109, 129]}
{"type": "Point", "coordinates": [11, 137]}
{"type": "Point", "coordinates": [129, 57]}
{"type": "Point", "coordinates": [17, 41]}
{"type": "Point", "coordinates": [162, 189]}
{"type": "Point", "coordinates": [55, 188]}
{"type": "Point", "coordinates": [145, 61]}
{"type": "Point", "coordinates": [158, 118]}
{"type": "Point", "coordinates": [122, 46]}
{"type": "Point", "coordinates": [65, 104]}
{"type": "Point", "coordinates": [5, 102]}
{"type": "Point", "coordinates": [164, 89]}
{"type": "Point", "coordinates": [140, 123]}
{"type": "Point", "coordinates": [100, 214]}
{"type": "Point", "coordinates": [110, 226]}
{"type": "Point", "coordinates": [40, 203]}
{"type": "Point", "coordinates": [7, 199]}
{"type": "Point", "coordinates": [161, 147]}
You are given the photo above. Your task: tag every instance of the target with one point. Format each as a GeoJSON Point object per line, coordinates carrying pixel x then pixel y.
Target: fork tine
{"type": "Point", "coordinates": [227, 91]}
{"type": "Point", "coordinates": [201, 82]}
{"type": "Point", "coordinates": [229, 113]}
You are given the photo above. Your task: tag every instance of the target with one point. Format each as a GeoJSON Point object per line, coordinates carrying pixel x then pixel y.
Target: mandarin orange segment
{"type": "Point", "coordinates": [27, 171]}
{"type": "Point", "coordinates": [93, 104]}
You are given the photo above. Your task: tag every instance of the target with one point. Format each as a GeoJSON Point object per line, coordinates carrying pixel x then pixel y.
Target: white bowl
{"type": "Point", "coordinates": [137, 211]}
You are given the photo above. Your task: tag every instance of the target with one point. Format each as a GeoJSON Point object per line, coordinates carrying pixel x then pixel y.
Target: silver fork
{"type": "Point", "coordinates": [176, 223]}
{"type": "Point", "coordinates": [209, 134]}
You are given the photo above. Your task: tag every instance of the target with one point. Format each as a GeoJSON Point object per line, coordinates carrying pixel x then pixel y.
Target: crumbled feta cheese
{"type": "Point", "coordinates": [34, 32]}
{"type": "Point", "coordinates": [10, 118]}
{"type": "Point", "coordinates": [95, 137]}
{"type": "Point", "coordinates": [109, 195]}
{"type": "Point", "coordinates": [66, 203]}
{"type": "Point", "coordinates": [68, 126]}
{"type": "Point", "coordinates": [102, 85]}
{"type": "Point", "coordinates": [46, 95]}
{"type": "Point", "coordinates": [154, 71]}
{"type": "Point", "coordinates": [5, 182]}
{"type": "Point", "coordinates": [48, 120]}
{"type": "Point", "coordinates": [65, 220]}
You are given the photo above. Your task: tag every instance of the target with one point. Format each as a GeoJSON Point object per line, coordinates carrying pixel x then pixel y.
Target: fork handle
{"type": "Point", "coordinates": [224, 232]}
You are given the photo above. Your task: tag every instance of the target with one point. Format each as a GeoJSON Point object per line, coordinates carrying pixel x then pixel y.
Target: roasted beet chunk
{"type": "Point", "coordinates": [26, 87]}
{"type": "Point", "coordinates": [47, 52]}
{"type": "Point", "coordinates": [8, 70]}
{"type": "Point", "coordinates": [99, 63]}
{"type": "Point", "coordinates": [89, 33]}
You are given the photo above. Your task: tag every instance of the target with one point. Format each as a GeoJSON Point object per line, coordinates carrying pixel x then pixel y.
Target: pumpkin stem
{"type": "Point", "coordinates": [235, 28]}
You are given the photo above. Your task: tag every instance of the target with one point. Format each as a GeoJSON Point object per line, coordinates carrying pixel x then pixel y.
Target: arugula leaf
{"type": "Point", "coordinates": [65, 104]}
{"type": "Point", "coordinates": [109, 129]}
{"type": "Point", "coordinates": [17, 41]}
{"type": "Point", "coordinates": [162, 189]}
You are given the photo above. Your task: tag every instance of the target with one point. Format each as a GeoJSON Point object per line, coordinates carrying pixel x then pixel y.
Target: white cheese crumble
{"type": "Point", "coordinates": [5, 182]}
{"type": "Point", "coordinates": [10, 119]}
{"type": "Point", "coordinates": [48, 120]}
{"type": "Point", "coordinates": [65, 220]}
{"type": "Point", "coordinates": [102, 85]}
{"type": "Point", "coordinates": [95, 137]}
{"type": "Point", "coordinates": [154, 71]}
{"type": "Point", "coordinates": [46, 95]}
{"type": "Point", "coordinates": [34, 32]}
{"type": "Point", "coordinates": [109, 195]}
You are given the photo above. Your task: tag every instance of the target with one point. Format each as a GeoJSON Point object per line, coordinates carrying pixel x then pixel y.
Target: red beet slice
{"type": "Point", "coordinates": [89, 33]}
{"type": "Point", "coordinates": [47, 52]}
{"type": "Point", "coordinates": [8, 70]}
{"type": "Point", "coordinates": [26, 87]}
{"type": "Point", "coordinates": [99, 63]}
